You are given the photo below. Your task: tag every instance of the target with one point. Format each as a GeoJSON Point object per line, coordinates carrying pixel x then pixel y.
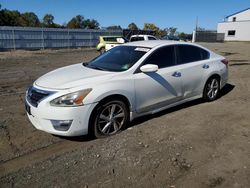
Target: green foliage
{"type": "Point", "coordinates": [132, 26]}
{"type": "Point", "coordinates": [114, 27]}
{"type": "Point", "coordinates": [78, 22]}
{"type": "Point", "coordinates": [153, 27]}
{"type": "Point", "coordinates": [48, 20]}
{"type": "Point", "coordinates": [182, 36]}
{"type": "Point", "coordinates": [91, 24]}
{"type": "Point", "coordinates": [29, 19]}
{"type": "Point", "coordinates": [10, 18]}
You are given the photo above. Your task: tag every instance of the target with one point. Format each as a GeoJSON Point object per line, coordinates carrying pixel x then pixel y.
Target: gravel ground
{"type": "Point", "coordinates": [196, 144]}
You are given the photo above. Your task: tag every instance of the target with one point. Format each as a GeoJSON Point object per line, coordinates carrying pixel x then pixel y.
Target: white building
{"type": "Point", "coordinates": [236, 26]}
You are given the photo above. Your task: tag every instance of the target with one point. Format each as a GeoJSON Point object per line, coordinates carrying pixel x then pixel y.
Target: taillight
{"type": "Point", "coordinates": [225, 61]}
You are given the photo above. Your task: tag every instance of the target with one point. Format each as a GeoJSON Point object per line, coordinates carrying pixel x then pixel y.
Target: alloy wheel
{"type": "Point", "coordinates": [212, 89]}
{"type": "Point", "coordinates": [111, 119]}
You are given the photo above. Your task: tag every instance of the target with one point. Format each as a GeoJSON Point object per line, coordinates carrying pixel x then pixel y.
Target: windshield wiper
{"type": "Point", "coordinates": [85, 64]}
{"type": "Point", "coordinates": [95, 67]}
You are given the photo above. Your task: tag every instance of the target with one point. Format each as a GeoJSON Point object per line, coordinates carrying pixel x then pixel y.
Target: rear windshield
{"type": "Point", "coordinates": [136, 39]}
{"type": "Point", "coordinates": [118, 59]}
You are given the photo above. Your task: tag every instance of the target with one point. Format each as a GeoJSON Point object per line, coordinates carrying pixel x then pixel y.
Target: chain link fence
{"type": "Point", "coordinates": [42, 38]}
{"type": "Point", "coordinates": [209, 36]}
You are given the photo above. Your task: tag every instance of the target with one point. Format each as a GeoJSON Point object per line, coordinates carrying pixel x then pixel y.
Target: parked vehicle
{"type": "Point", "coordinates": [134, 38]}
{"type": "Point", "coordinates": [171, 37]}
{"type": "Point", "coordinates": [108, 42]}
{"type": "Point", "coordinates": [128, 81]}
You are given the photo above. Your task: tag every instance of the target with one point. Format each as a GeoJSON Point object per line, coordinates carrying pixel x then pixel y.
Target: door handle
{"type": "Point", "coordinates": [176, 74]}
{"type": "Point", "coordinates": [205, 66]}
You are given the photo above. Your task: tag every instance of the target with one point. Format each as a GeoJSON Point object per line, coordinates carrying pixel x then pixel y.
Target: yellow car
{"type": "Point", "coordinates": [108, 42]}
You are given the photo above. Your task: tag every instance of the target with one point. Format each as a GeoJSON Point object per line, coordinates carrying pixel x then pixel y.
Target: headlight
{"type": "Point", "coordinates": [71, 99]}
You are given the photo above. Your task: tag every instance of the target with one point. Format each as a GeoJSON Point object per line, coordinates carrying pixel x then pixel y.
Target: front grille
{"type": "Point", "coordinates": [34, 95]}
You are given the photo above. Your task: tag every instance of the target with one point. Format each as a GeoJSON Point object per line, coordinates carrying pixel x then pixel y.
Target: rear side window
{"type": "Point", "coordinates": [151, 38]}
{"type": "Point", "coordinates": [204, 54]}
{"type": "Point", "coordinates": [188, 53]}
{"type": "Point", "coordinates": [163, 57]}
{"type": "Point", "coordinates": [110, 39]}
{"type": "Point", "coordinates": [133, 39]}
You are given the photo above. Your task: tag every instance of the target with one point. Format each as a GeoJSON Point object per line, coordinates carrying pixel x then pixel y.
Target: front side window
{"type": "Point", "coordinates": [163, 57]}
{"type": "Point", "coordinates": [118, 59]}
{"type": "Point", "coordinates": [151, 38]}
{"type": "Point", "coordinates": [188, 54]}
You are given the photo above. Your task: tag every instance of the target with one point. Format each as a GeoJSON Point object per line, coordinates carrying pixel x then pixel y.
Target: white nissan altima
{"type": "Point", "coordinates": [101, 97]}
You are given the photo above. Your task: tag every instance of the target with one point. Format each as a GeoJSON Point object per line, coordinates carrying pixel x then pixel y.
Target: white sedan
{"type": "Point", "coordinates": [131, 80]}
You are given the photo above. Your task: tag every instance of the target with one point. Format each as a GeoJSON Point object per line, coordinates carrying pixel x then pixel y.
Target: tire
{"type": "Point", "coordinates": [109, 118]}
{"type": "Point", "coordinates": [102, 50]}
{"type": "Point", "coordinates": [212, 89]}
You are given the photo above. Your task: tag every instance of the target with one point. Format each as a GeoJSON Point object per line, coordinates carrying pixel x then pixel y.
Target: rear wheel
{"type": "Point", "coordinates": [102, 50]}
{"type": "Point", "coordinates": [212, 89]}
{"type": "Point", "coordinates": [109, 118]}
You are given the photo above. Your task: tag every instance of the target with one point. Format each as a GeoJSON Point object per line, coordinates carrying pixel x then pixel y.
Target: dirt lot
{"type": "Point", "coordinates": [193, 145]}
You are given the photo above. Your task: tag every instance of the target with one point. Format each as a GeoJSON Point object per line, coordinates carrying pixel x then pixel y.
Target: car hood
{"type": "Point", "coordinates": [72, 76]}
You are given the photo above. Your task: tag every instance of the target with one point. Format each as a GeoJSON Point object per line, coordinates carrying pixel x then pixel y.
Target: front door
{"type": "Point", "coordinates": [157, 89]}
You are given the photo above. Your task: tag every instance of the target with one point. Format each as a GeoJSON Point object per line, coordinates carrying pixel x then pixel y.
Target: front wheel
{"type": "Point", "coordinates": [110, 118]}
{"type": "Point", "coordinates": [212, 89]}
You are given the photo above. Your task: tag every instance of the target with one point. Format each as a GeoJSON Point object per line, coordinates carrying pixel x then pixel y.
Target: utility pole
{"type": "Point", "coordinates": [196, 24]}
{"type": "Point", "coordinates": [195, 31]}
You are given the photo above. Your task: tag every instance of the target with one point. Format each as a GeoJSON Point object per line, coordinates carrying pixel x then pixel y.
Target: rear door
{"type": "Point", "coordinates": [193, 63]}
{"type": "Point", "coordinates": [158, 89]}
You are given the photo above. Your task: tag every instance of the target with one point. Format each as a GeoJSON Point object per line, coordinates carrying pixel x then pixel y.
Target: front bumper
{"type": "Point", "coordinates": [43, 115]}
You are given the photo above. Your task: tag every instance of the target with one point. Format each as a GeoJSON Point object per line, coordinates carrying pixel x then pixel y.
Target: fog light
{"type": "Point", "coordinates": [61, 125]}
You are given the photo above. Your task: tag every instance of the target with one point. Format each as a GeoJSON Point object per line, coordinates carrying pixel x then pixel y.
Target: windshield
{"type": "Point", "coordinates": [118, 59]}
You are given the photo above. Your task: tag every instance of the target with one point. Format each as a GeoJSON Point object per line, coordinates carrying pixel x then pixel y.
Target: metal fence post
{"type": "Point", "coordinates": [90, 34]}
{"type": "Point", "coordinates": [42, 40]}
{"type": "Point", "coordinates": [13, 37]}
{"type": "Point", "coordinates": [68, 38]}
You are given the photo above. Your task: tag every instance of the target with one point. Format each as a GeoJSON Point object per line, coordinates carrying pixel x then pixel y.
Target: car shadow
{"type": "Point", "coordinates": [226, 89]}
{"type": "Point", "coordinates": [83, 138]}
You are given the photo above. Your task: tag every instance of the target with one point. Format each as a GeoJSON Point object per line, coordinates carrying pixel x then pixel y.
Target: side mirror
{"type": "Point", "coordinates": [149, 68]}
{"type": "Point", "coordinates": [120, 40]}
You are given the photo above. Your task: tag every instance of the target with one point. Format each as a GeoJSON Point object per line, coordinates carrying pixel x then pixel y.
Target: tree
{"type": "Point", "coordinates": [29, 19]}
{"type": "Point", "coordinates": [171, 30]}
{"type": "Point", "coordinates": [114, 27]}
{"type": "Point", "coordinates": [91, 24]}
{"type": "Point", "coordinates": [76, 22]}
{"type": "Point", "coordinates": [182, 35]}
{"type": "Point", "coordinates": [9, 18]}
{"type": "Point", "coordinates": [152, 27]}
{"type": "Point", "coordinates": [48, 20]}
{"type": "Point", "coordinates": [132, 26]}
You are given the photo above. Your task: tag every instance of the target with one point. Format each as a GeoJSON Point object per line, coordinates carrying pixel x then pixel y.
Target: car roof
{"type": "Point", "coordinates": [142, 35]}
{"type": "Point", "coordinates": [111, 36]}
{"type": "Point", "coordinates": [155, 43]}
